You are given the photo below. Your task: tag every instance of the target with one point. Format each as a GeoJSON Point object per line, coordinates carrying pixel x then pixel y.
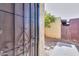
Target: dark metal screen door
{"type": "Point", "coordinates": [19, 29]}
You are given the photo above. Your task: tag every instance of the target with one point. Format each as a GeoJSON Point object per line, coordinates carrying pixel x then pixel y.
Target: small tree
{"type": "Point", "coordinates": [49, 19]}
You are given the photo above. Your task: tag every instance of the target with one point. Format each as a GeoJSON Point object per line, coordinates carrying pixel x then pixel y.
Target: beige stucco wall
{"type": "Point", "coordinates": [41, 31]}
{"type": "Point", "coordinates": [55, 30]}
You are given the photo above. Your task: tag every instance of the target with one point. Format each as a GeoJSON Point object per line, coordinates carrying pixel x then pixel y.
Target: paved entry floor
{"type": "Point", "coordinates": [62, 49]}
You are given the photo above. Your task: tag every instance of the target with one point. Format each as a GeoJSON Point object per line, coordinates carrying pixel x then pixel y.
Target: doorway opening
{"type": "Point", "coordinates": [61, 29]}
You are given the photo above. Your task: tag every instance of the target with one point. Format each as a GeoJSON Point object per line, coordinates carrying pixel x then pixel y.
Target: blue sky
{"type": "Point", "coordinates": [63, 10]}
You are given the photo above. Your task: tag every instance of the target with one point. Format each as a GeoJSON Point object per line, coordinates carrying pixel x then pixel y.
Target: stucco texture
{"type": "Point", "coordinates": [55, 30]}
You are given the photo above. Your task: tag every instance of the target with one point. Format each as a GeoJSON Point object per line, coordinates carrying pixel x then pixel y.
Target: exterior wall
{"type": "Point", "coordinates": [41, 31]}
{"type": "Point", "coordinates": [71, 32]}
{"type": "Point", "coordinates": [63, 32]}
{"type": "Point", "coordinates": [66, 33]}
{"type": "Point", "coordinates": [55, 30]}
{"type": "Point", "coordinates": [74, 29]}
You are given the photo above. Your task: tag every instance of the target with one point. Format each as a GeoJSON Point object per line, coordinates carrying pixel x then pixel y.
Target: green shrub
{"type": "Point", "coordinates": [49, 19]}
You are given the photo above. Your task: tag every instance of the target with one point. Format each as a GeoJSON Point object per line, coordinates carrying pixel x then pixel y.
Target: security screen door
{"type": "Point", "coordinates": [19, 32]}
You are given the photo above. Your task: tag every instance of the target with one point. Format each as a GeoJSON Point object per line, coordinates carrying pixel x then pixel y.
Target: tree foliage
{"type": "Point", "coordinates": [49, 19]}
